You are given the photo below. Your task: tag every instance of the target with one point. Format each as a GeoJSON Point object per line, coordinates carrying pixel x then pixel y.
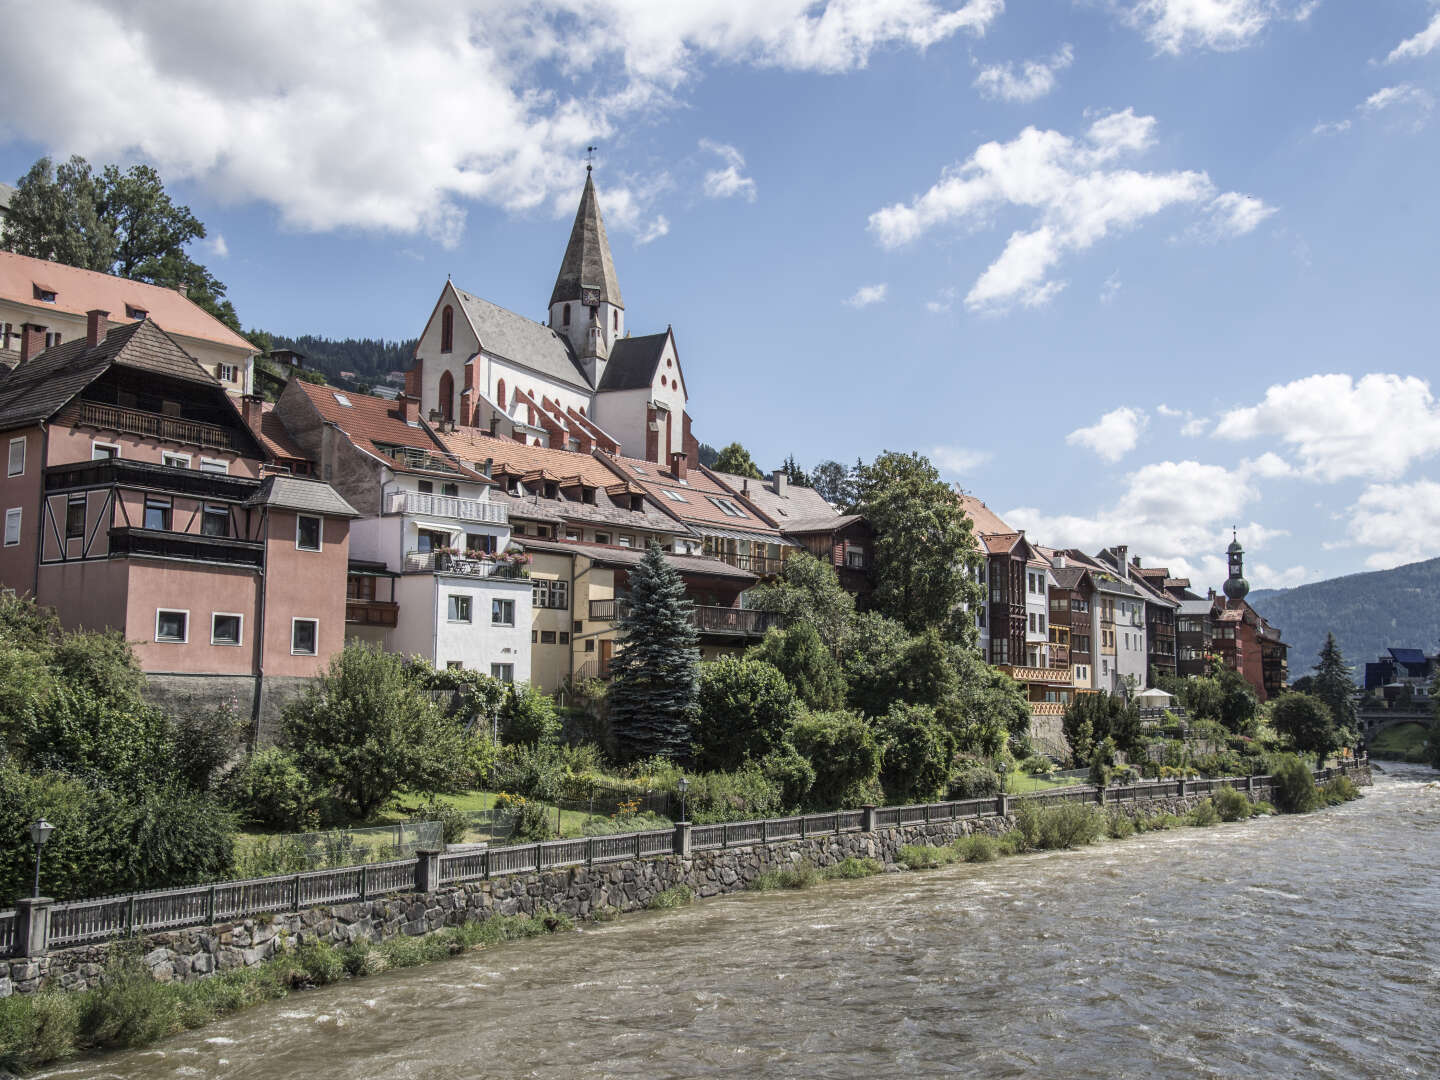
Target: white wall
{"type": "Point", "coordinates": [1130, 655]}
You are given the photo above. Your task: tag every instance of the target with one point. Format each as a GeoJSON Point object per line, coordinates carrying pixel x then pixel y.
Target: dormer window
{"type": "Point", "coordinates": [44, 293]}
{"type": "Point", "coordinates": [133, 312]}
{"type": "Point", "coordinates": [637, 503]}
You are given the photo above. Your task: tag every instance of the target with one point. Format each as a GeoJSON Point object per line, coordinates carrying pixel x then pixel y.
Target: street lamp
{"type": "Point", "coordinates": [1000, 768]}
{"type": "Point", "coordinates": [39, 834]}
{"type": "Point", "coordinates": [684, 786]}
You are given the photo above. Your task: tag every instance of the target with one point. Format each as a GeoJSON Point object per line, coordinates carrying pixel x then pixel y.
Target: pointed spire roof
{"type": "Point", "coordinates": [587, 257]}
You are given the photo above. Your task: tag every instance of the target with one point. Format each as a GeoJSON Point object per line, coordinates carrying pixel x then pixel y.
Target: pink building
{"type": "Point", "coordinates": [137, 498]}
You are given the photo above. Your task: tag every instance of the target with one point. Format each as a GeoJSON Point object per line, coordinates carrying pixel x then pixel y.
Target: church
{"type": "Point", "coordinates": [576, 382]}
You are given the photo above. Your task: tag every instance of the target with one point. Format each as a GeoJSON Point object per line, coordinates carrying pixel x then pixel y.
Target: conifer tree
{"type": "Point", "coordinates": [1334, 685]}
{"type": "Point", "coordinates": [653, 691]}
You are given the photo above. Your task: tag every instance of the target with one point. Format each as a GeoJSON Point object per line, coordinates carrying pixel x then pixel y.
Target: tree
{"type": "Point", "coordinates": [746, 712]}
{"type": "Point", "coordinates": [367, 728]}
{"type": "Point", "coordinates": [793, 473]}
{"type": "Point", "coordinates": [871, 660]}
{"type": "Point", "coordinates": [808, 591]}
{"type": "Point", "coordinates": [845, 753]}
{"type": "Point", "coordinates": [735, 459]}
{"type": "Point", "coordinates": [1091, 719]}
{"type": "Point", "coordinates": [1335, 686]}
{"type": "Point", "coordinates": [1237, 702]}
{"type": "Point", "coordinates": [925, 553]}
{"type": "Point", "coordinates": [653, 688]}
{"type": "Point", "coordinates": [917, 754]}
{"type": "Point", "coordinates": [122, 223]}
{"type": "Point", "coordinates": [708, 455]}
{"type": "Point", "coordinates": [832, 482]}
{"type": "Point", "coordinates": [807, 665]}
{"type": "Point", "coordinates": [528, 716]}
{"type": "Point", "coordinates": [1306, 723]}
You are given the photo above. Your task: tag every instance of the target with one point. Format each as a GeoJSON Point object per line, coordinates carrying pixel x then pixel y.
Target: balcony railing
{"type": "Point", "coordinates": [435, 562]}
{"type": "Point", "coordinates": [1057, 676]}
{"type": "Point", "coordinates": [174, 545]}
{"type": "Point", "coordinates": [153, 425]}
{"type": "Point", "coordinates": [143, 474]}
{"type": "Point", "coordinates": [609, 610]}
{"type": "Point", "coordinates": [708, 619]}
{"type": "Point", "coordinates": [447, 506]}
{"type": "Point", "coordinates": [756, 564]}
{"type": "Point", "coordinates": [371, 612]}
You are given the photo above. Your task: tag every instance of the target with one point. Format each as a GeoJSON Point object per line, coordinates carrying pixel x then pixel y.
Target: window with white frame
{"type": "Point", "coordinates": [503, 672]}
{"type": "Point", "coordinates": [17, 457]}
{"type": "Point", "coordinates": [304, 637]}
{"type": "Point", "coordinates": [175, 461]}
{"type": "Point", "coordinates": [12, 526]}
{"type": "Point", "coordinates": [103, 451]}
{"type": "Point", "coordinates": [502, 612]}
{"type": "Point", "coordinates": [226, 628]}
{"type": "Point", "coordinates": [307, 533]}
{"type": "Point", "coordinates": [726, 507]}
{"type": "Point", "coordinates": [674, 496]}
{"type": "Point", "coordinates": [625, 540]}
{"type": "Point", "coordinates": [546, 593]}
{"type": "Point", "coordinates": [172, 626]}
{"type": "Point", "coordinates": [459, 608]}
{"type": "Point", "coordinates": [227, 372]}
{"type": "Point", "coordinates": [214, 465]}
{"type": "Point", "coordinates": [158, 513]}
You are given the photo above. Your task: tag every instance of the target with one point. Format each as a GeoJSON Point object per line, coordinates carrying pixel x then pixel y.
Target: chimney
{"type": "Point", "coordinates": [409, 408]}
{"type": "Point", "coordinates": [1122, 550]}
{"type": "Point", "coordinates": [677, 465]}
{"type": "Point", "coordinates": [183, 290]}
{"type": "Point", "coordinates": [1135, 561]}
{"type": "Point", "coordinates": [97, 322]}
{"type": "Point", "coordinates": [252, 410]}
{"type": "Point", "coordinates": [1060, 560]}
{"type": "Point", "coordinates": [32, 340]}
{"type": "Point", "coordinates": [781, 482]}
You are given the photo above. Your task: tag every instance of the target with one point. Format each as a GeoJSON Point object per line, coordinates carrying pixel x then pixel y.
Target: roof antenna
{"type": "Point", "coordinates": [589, 158]}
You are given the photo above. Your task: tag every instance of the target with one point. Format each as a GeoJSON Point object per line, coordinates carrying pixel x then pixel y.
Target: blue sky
{"type": "Point", "coordinates": [1129, 270]}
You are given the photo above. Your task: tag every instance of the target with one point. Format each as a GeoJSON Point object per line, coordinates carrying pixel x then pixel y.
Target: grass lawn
{"type": "Point", "coordinates": [1402, 738]}
{"type": "Point", "coordinates": [1022, 783]}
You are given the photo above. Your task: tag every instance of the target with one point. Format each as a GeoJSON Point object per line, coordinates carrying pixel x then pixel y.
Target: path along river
{"type": "Point", "coordinates": [1276, 948]}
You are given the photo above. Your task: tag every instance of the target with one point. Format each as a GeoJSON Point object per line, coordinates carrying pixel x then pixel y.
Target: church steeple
{"type": "Point", "coordinates": [1236, 587]}
{"type": "Point", "coordinates": [585, 304]}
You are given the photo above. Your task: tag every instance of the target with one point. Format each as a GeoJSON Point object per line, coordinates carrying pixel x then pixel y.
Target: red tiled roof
{"type": "Point", "coordinates": [475, 445]}
{"type": "Point", "coordinates": [275, 438]}
{"type": "Point", "coordinates": [696, 509]}
{"type": "Point", "coordinates": [985, 520]}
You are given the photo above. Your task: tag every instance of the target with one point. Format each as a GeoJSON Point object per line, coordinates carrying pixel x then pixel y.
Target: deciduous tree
{"type": "Point", "coordinates": [807, 665]}
{"type": "Point", "coordinates": [1306, 723]}
{"type": "Point", "coordinates": [746, 712]}
{"type": "Point", "coordinates": [735, 459]}
{"type": "Point", "coordinates": [808, 591]}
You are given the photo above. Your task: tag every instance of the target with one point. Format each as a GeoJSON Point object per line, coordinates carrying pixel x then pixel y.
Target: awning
{"type": "Point", "coordinates": [731, 534]}
{"type": "Point", "coordinates": [437, 527]}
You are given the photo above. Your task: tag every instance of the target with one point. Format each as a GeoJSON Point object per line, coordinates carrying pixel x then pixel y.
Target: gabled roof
{"type": "Point", "coordinates": [693, 505]}
{"type": "Point", "coordinates": [694, 565]}
{"type": "Point", "coordinates": [1197, 607]}
{"type": "Point", "coordinates": [983, 519]}
{"type": "Point", "coordinates": [633, 361]}
{"type": "Point", "coordinates": [1069, 577]}
{"type": "Point", "coordinates": [820, 524]}
{"type": "Point", "coordinates": [41, 387]}
{"type": "Point", "coordinates": [276, 438]}
{"type": "Point", "coordinates": [587, 258]}
{"type": "Point", "coordinates": [78, 291]}
{"type": "Point", "coordinates": [375, 426]}
{"type": "Point", "coordinates": [524, 342]}
{"type": "Point", "coordinates": [307, 496]}
{"type": "Point", "coordinates": [475, 446]}
{"type": "Point", "coordinates": [797, 503]}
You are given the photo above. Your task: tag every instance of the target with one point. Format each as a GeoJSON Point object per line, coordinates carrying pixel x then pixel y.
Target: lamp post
{"type": "Point", "coordinates": [39, 834]}
{"type": "Point", "coordinates": [1000, 768]}
{"type": "Point", "coordinates": [684, 786]}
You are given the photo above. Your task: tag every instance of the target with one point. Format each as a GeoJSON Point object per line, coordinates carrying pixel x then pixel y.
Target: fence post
{"type": "Point", "coordinates": [427, 871]}
{"type": "Point", "coordinates": [209, 907]}
{"type": "Point", "coordinates": [130, 916]}
{"type": "Point", "coordinates": [765, 831]}
{"type": "Point", "coordinates": [803, 833]}
{"type": "Point", "coordinates": [295, 885]}
{"type": "Point", "coordinates": [590, 851]}
{"type": "Point", "coordinates": [32, 926]}
{"type": "Point", "coordinates": [1002, 804]}
{"type": "Point", "coordinates": [1182, 787]}
{"type": "Point", "coordinates": [363, 882]}
{"type": "Point", "coordinates": [682, 839]}
{"type": "Point", "coordinates": [867, 820]}
{"type": "Point", "coordinates": [1249, 785]}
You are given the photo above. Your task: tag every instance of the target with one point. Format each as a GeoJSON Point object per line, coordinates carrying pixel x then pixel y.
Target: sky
{"type": "Point", "coordinates": [1131, 271]}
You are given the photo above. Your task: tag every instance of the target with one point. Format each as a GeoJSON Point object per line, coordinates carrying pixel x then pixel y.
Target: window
{"type": "Point", "coordinates": [227, 372]}
{"type": "Point", "coordinates": [1032, 622]}
{"type": "Point", "coordinates": [590, 644]}
{"type": "Point", "coordinates": [504, 672]}
{"type": "Point", "coordinates": [447, 329]}
{"type": "Point", "coordinates": [133, 312]}
{"type": "Point", "coordinates": [157, 513]}
{"type": "Point", "coordinates": [75, 517]}
{"type": "Point", "coordinates": [855, 558]}
{"type": "Point", "coordinates": [502, 612]}
{"type": "Point", "coordinates": [307, 533]}
{"type": "Point", "coordinates": [425, 487]}
{"type": "Point", "coordinates": [172, 626]}
{"type": "Point", "coordinates": [214, 465]}
{"type": "Point", "coordinates": [459, 608]}
{"type": "Point", "coordinates": [225, 628]}
{"type": "Point", "coordinates": [616, 321]}
{"type": "Point", "coordinates": [565, 315]}
{"type": "Point", "coordinates": [550, 594]}
{"type": "Point", "coordinates": [12, 526]}
{"type": "Point", "coordinates": [482, 542]}
{"type": "Point", "coordinates": [534, 637]}
{"type": "Point", "coordinates": [728, 508]}
{"type": "Point", "coordinates": [625, 540]}
{"type": "Point", "coordinates": [175, 461]}
{"type": "Point", "coordinates": [100, 451]}
{"type": "Point", "coordinates": [602, 538]}
{"type": "Point", "coordinates": [572, 534]}
{"type": "Point", "coordinates": [674, 496]}
{"type": "Point", "coordinates": [452, 490]}
{"type": "Point", "coordinates": [17, 457]}
{"type": "Point", "coordinates": [547, 637]}
{"type": "Point", "coordinates": [44, 295]}
{"type": "Point", "coordinates": [564, 637]}
{"type": "Point", "coordinates": [304, 637]}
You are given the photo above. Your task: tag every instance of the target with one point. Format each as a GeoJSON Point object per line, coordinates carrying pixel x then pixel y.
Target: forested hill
{"type": "Point", "coordinates": [1368, 613]}
{"type": "Point", "coordinates": [369, 358]}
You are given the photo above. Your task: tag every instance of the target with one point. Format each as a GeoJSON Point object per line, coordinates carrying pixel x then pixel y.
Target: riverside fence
{"type": "Point", "coordinates": [38, 926]}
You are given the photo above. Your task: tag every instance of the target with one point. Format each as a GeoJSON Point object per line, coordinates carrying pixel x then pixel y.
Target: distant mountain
{"type": "Point", "coordinates": [1367, 613]}
{"type": "Point", "coordinates": [368, 359]}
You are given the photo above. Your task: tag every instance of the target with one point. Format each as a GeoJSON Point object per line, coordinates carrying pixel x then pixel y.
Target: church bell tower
{"type": "Point", "coordinates": [1236, 587]}
{"type": "Point", "coordinates": [585, 305]}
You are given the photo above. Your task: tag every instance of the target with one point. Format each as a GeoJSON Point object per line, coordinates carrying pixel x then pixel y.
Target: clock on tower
{"type": "Point", "coordinates": [590, 295]}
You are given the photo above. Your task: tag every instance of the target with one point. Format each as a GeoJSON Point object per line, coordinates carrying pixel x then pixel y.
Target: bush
{"type": "Point", "coordinates": [322, 963]}
{"type": "Point", "coordinates": [917, 753]}
{"type": "Point", "coordinates": [269, 789]}
{"type": "Point", "coordinates": [528, 716]}
{"type": "Point", "coordinates": [1231, 805]}
{"type": "Point", "coordinates": [723, 796]}
{"type": "Point", "coordinates": [1339, 790]}
{"type": "Point", "coordinates": [673, 897]}
{"type": "Point", "coordinates": [1203, 814]}
{"type": "Point", "coordinates": [38, 1028]}
{"type": "Point", "coordinates": [1119, 826]}
{"type": "Point", "coordinates": [454, 822]}
{"type": "Point", "coordinates": [802, 876]}
{"type": "Point", "coordinates": [851, 868]}
{"type": "Point", "coordinates": [977, 782]}
{"type": "Point", "coordinates": [129, 1008]}
{"type": "Point", "coordinates": [531, 821]}
{"type": "Point", "coordinates": [977, 848]}
{"type": "Point", "coordinates": [924, 857]}
{"type": "Point", "coordinates": [746, 712]}
{"type": "Point", "coordinates": [845, 754]}
{"type": "Point", "coordinates": [1065, 825]}
{"type": "Point", "coordinates": [1294, 786]}
{"type": "Point", "coordinates": [807, 665]}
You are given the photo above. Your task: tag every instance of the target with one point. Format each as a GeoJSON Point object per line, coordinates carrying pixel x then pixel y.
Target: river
{"type": "Point", "coordinates": [1275, 948]}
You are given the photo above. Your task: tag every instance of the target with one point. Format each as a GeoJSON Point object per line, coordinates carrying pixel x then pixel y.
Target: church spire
{"type": "Point", "coordinates": [587, 273]}
{"type": "Point", "coordinates": [1236, 587]}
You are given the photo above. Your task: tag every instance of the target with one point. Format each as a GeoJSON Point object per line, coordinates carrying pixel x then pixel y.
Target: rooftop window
{"type": "Point", "coordinates": [728, 508]}
{"type": "Point", "coordinates": [342, 399]}
{"type": "Point", "coordinates": [133, 312]}
{"type": "Point", "coordinates": [674, 496]}
{"type": "Point", "coordinates": [44, 293]}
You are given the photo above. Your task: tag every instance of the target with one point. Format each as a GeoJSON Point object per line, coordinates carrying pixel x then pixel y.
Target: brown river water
{"type": "Point", "coordinates": [1276, 948]}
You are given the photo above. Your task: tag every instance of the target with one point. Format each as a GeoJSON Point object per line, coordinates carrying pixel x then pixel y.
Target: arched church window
{"type": "Point", "coordinates": [616, 313]}
{"type": "Point", "coordinates": [447, 395]}
{"type": "Point", "coordinates": [447, 329]}
{"type": "Point", "coordinates": [500, 392]}
{"type": "Point", "coordinates": [565, 315]}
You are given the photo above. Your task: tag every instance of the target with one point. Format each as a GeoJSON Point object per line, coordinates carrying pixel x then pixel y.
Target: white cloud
{"type": "Point", "coordinates": [1079, 198]}
{"type": "Point", "coordinates": [1035, 79]}
{"type": "Point", "coordinates": [1263, 576]}
{"type": "Point", "coordinates": [1412, 99]}
{"type": "Point", "coordinates": [1114, 435]}
{"type": "Point", "coordinates": [867, 295]}
{"type": "Point", "coordinates": [217, 247]}
{"type": "Point", "coordinates": [1232, 214]}
{"type": "Point", "coordinates": [1342, 428]}
{"type": "Point", "coordinates": [1401, 520]}
{"type": "Point", "coordinates": [1268, 465]}
{"type": "Point", "coordinates": [1111, 288]}
{"type": "Point", "coordinates": [1331, 128]}
{"type": "Point", "coordinates": [1192, 428]}
{"type": "Point", "coordinates": [958, 460]}
{"type": "Point", "coordinates": [395, 116]}
{"type": "Point", "coordinates": [1166, 410]}
{"type": "Point", "coordinates": [729, 182]}
{"type": "Point", "coordinates": [1422, 44]}
{"type": "Point", "coordinates": [943, 301]}
{"type": "Point", "coordinates": [1174, 26]}
{"type": "Point", "coordinates": [657, 228]}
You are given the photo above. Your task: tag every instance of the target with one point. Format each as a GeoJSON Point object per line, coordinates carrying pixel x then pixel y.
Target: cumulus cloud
{"type": "Point", "coordinates": [958, 460]}
{"type": "Point", "coordinates": [1114, 435]}
{"type": "Point", "coordinates": [217, 246]}
{"type": "Point", "coordinates": [1174, 26]}
{"type": "Point", "coordinates": [395, 116]}
{"type": "Point", "coordinates": [729, 182]}
{"type": "Point", "coordinates": [1166, 410]}
{"type": "Point", "coordinates": [1033, 80]}
{"type": "Point", "coordinates": [1197, 426]}
{"type": "Point", "coordinates": [1404, 99]}
{"type": "Point", "coordinates": [1231, 214]}
{"type": "Point", "coordinates": [867, 295]}
{"type": "Point", "coordinates": [1078, 192]}
{"type": "Point", "coordinates": [1422, 44]}
{"type": "Point", "coordinates": [1111, 288]}
{"type": "Point", "coordinates": [1401, 520]}
{"type": "Point", "coordinates": [1343, 428]}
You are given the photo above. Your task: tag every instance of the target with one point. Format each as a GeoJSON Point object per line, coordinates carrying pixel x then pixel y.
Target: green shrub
{"type": "Point", "coordinates": [977, 848]}
{"type": "Point", "coordinates": [924, 857]}
{"type": "Point", "coordinates": [1203, 814]}
{"type": "Point", "coordinates": [322, 962]}
{"type": "Point", "coordinates": [38, 1028]}
{"type": "Point", "coordinates": [917, 753]}
{"type": "Point", "coordinates": [748, 710]}
{"type": "Point", "coordinates": [1231, 805]}
{"type": "Point", "coordinates": [1294, 786]}
{"type": "Point", "coordinates": [129, 1008]}
{"type": "Point", "coordinates": [1070, 825]}
{"type": "Point", "coordinates": [801, 876]}
{"type": "Point", "coordinates": [851, 868]}
{"type": "Point", "coordinates": [532, 821]}
{"type": "Point", "coordinates": [673, 897]}
{"type": "Point", "coordinates": [1339, 790]}
{"type": "Point", "coordinates": [528, 716]}
{"type": "Point", "coordinates": [713, 797]}
{"type": "Point", "coordinates": [1118, 826]}
{"type": "Point", "coordinates": [845, 754]}
{"type": "Point", "coordinates": [269, 789]}
{"type": "Point", "coordinates": [262, 856]}
{"type": "Point", "coordinates": [361, 959]}
{"type": "Point", "coordinates": [976, 782]}
{"type": "Point", "coordinates": [1263, 807]}
{"type": "Point", "coordinates": [454, 822]}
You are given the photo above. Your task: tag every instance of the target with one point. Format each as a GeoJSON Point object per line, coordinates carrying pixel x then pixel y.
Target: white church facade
{"type": "Point", "coordinates": [577, 382]}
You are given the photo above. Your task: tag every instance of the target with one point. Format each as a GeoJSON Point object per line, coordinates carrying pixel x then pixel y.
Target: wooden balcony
{"type": "Point", "coordinates": [371, 612]}
{"type": "Point", "coordinates": [609, 610]}
{"type": "Point", "coordinates": [763, 565]}
{"type": "Point", "coordinates": [152, 425]}
{"type": "Point", "coordinates": [146, 476]}
{"type": "Point", "coordinates": [192, 546]}
{"type": "Point", "coordinates": [1050, 676]}
{"type": "Point", "coordinates": [740, 622]}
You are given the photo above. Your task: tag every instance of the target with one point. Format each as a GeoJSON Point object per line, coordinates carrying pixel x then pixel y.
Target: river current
{"type": "Point", "coordinates": [1275, 948]}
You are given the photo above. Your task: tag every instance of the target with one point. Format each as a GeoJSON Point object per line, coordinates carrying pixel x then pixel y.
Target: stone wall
{"type": "Point", "coordinates": [189, 694]}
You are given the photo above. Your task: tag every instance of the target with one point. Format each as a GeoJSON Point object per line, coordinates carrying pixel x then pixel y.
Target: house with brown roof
{"type": "Point", "coordinates": [45, 303]}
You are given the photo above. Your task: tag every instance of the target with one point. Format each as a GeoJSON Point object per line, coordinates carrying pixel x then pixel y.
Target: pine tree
{"type": "Point", "coordinates": [1335, 686]}
{"type": "Point", "coordinates": [653, 691]}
